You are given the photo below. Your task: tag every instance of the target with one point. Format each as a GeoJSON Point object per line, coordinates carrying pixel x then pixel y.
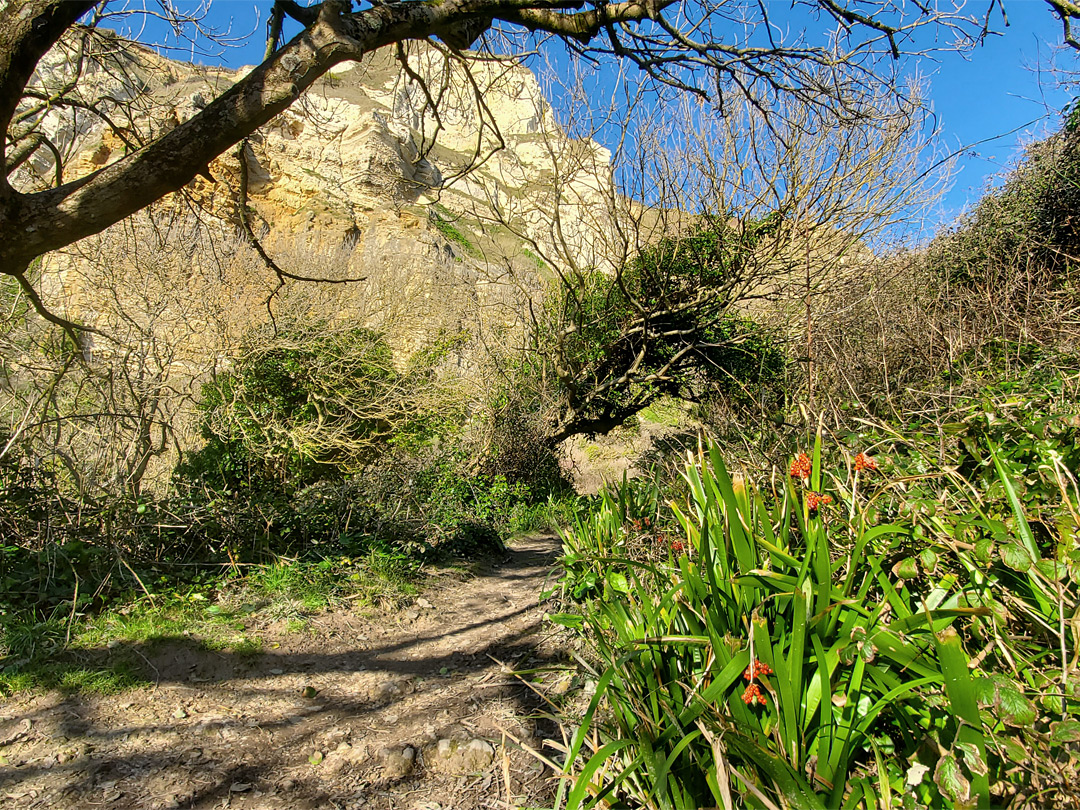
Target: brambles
{"type": "Point", "coordinates": [308, 403]}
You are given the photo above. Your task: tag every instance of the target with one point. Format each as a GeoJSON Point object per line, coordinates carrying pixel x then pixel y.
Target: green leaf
{"type": "Point", "coordinates": [973, 758]}
{"type": "Point", "coordinates": [907, 568]}
{"type": "Point", "coordinates": [788, 782]}
{"type": "Point", "coordinates": [985, 692]}
{"type": "Point", "coordinates": [929, 559]}
{"type": "Point", "coordinates": [618, 582]}
{"type": "Point", "coordinates": [1022, 526]}
{"type": "Point", "coordinates": [984, 550]}
{"type": "Point", "coordinates": [1052, 569]}
{"type": "Point", "coordinates": [601, 757]}
{"type": "Point", "coordinates": [950, 778]}
{"type": "Point", "coordinates": [1065, 731]}
{"type": "Point", "coordinates": [1012, 748]}
{"type": "Point", "coordinates": [1016, 557]}
{"type": "Point", "coordinates": [1014, 709]}
{"type": "Point", "coordinates": [963, 704]}
{"type": "Point", "coordinates": [572, 620]}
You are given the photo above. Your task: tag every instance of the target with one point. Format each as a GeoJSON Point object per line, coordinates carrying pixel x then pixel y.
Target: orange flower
{"type": "Point", "coordinates": [864, 462]}
{"type": "Point", "coordinates": [801, 467]}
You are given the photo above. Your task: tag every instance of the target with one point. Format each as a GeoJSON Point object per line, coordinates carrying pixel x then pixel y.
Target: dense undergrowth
{"type": "Point", "coordinates": [867, 631]}
{"type": "Point", "coordinates": [326, 474]}
{"type": "Point", "coordinates": [878, 608]}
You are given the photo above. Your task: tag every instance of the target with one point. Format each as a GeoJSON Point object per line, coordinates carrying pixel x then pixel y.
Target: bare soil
{"type": "Point", "coordinates": [402, 709]}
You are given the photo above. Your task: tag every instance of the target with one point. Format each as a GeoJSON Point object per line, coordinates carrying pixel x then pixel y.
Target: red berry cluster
{"type": "Point", "coordinates": [801, 467]}
{"type": "Point", "coordinates": [756, 670]}
{"type": "Point", "coordinates": [678, 546]}
{"type": "Point", "coordinates": [753, 695]}
{"type": "Point", "coordinates": [816, 499]}
{"type": "Point", "coordinates": [864, 462]}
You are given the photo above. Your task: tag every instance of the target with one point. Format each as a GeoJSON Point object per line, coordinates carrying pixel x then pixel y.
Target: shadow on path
{"type": "Point", "coordinates": [303, 725]}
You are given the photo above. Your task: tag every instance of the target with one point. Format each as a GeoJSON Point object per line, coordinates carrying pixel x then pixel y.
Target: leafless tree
{"type": "Point", "coordinates": [169, 300]}
{"type": "Point", "coordinates": [54, 57]}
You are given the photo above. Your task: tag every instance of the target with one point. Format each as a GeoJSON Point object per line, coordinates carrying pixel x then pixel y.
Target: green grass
{"type": "Point", "coordinates": [444, 222]}
{"type": "Point", "coordinates": [666, 412]}
{"type": "Point", "coordinates": [104, 653]}
{"type": "Point", "coordinates": [71, 677]}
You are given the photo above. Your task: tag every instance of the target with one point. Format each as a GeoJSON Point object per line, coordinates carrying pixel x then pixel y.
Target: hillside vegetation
{"type": "Point", "coordinates": [885, 614]}
{"type": "Point", "coordinates": [859, 589]}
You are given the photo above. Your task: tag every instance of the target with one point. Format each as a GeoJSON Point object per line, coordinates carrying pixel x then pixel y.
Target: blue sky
{"type": "Point", "coordinates": [996, 89]}
{"type": "Point", "coordinates": [989, 102]}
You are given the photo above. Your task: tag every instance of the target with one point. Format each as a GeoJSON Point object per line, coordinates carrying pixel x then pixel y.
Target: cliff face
{"type": "Point", "coordinates": [449, 214]}
{"type": "Point", "coordinates": [463, 159]}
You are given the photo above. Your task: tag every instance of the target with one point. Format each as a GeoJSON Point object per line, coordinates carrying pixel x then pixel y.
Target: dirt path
{"type": "Point", "coordinates": [406, 710]}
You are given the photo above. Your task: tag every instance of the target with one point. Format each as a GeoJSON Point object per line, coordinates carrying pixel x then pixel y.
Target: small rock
{"type": "Point", "coordinates": [424, 603]}
{"type": "Point", "coordinates": [180, 714]}
{"type": "Point", "coordinates": [411, 615]}
{"type": "Point", "coordinates": [397, 762]}
{"type": "Point", "coordinates": [388, 690]}
{"type": "Point", "coordinates": [277, 671]}
{"type": "Point", "coordinates": [239, 787]}
{"type": "Point", "coordinates": [345, 757]}
{"type": "Point", "coordinates": [458, 758]}
{"type": "Point", "coordinates": [287, 785]}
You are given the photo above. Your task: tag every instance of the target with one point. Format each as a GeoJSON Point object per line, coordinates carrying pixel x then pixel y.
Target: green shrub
{"type": "Point", "coordinates": [1023, 237]}
{"type": "Point", "coordinates": [296, 408]}
{"type": "Point", "coordinates": [664, 325]}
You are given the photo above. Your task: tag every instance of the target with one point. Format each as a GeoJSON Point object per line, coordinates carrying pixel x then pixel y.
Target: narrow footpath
{"type": "Point", "coordinates": [407, 710]}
